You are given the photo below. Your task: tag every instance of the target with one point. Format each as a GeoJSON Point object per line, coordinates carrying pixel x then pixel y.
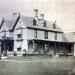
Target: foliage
{"type": "Point", "coordinates": [14, 53]}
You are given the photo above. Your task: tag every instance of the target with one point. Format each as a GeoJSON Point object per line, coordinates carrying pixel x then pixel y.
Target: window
{"type": "Point", "coordinates": [35, 47]}
{"type": "Point", "coordinates": [44, 23]}
{"type": "Point", "coordinates": [55, 36]}
{"type": "Point", "coordinates": [34, 22]}
{"type": "Point", "coordinates": [19, 35]}
{"type": "Point", "coordinates": [18, 49]}
{"type": "Point", "coordinates": [46, 34]}
{"type": "Point", "coordinates": [54, 25]}
{"type": "Point", "coordinates": [35, 33]}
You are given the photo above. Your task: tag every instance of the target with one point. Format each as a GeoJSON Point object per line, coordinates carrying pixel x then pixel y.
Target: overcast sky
{"type": "Point", "coordinates": [61, 10]}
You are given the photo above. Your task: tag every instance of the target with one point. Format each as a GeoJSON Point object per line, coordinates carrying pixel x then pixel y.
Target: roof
{"type": "Point", "coordinates": [46, 40]}
{"type": "Point", "coordinates": [7, 25]}
{"type": "Point", "coordinates": [28, 22]}
{"type": "Point", "coordinates": [1, 23]}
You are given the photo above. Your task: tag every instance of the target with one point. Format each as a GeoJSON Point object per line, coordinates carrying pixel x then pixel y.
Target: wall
{"type": "Point", "coordinates": [22, 42]}
{"type": "Point", "coordinates": [9, 34]}
{"type": "Point", "coordinates": [28, 34]}
{"type": "Point", "coordinates": [60, 36]}
{"type": "Point", "coordinates": [51, 36]}
{"type": "Point", "coordinates": [69, 37]}
{"type": "Point", "coordinates": [41, 36]}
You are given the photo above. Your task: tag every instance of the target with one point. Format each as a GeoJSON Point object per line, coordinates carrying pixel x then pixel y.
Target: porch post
{"type": "Point", "coordinates": [59, 48]}
{"type": "Point", "coordinates": [74, 49]}
{"type": "Point", "coordinates": [55, 48]}
{"type": "Point", "coordinates": [48, 46]}
{"type": "Point", "coordinates": [28, 45]}
{"type": "Point", "coordinates": [64, 48]}
{"type": "Point", "coordinates": [33, 46]}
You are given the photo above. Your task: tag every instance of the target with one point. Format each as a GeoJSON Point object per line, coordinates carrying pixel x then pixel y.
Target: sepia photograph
{"type": "Point", "coordinates": [37, 37]}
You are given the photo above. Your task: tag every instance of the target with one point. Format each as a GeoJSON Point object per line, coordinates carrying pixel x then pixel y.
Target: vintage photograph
{"type": "Point", "coordinates": [37, 37]}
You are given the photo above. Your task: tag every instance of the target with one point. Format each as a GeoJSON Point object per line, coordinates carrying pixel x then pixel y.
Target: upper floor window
{"type": "Point", "coordinates": [35, 33]}
{"type": "Point", "coordinates": [46, 34]}
{"type": "Point", "coordinates": [19, 35]}
{"type": "Point", "coordinates": [34, 22]}
{"type": "Point", "coordinates": [55, 36]}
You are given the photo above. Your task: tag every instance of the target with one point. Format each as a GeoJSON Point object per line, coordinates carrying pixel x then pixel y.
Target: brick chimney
{"type": "Point", "coordinates": [36, 13]}
{"type": "Point", "coordinates": [42, 16]}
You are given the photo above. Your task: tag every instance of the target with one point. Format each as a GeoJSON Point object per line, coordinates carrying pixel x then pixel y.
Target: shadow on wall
{"type": "Point", "coordinates": [64, 38]}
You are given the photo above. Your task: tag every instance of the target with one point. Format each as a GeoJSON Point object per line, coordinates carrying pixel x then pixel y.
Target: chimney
{"type": "Point", "coordinates": [2, 18]}
{"type": "Point", "coordinates": [36, 13]}
{"type": "Point", "coordinates": [54, 24]}
{"type": "Point", "coordinates": [42, 16]}
{"type": "Point", "coordinates": [15, 15]}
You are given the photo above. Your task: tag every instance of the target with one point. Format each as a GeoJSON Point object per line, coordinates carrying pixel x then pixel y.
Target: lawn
{"type": "Point", "coordinates": [38, 65]}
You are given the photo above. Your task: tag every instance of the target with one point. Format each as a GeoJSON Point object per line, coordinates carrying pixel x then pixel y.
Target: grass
{"type": "Point", "coordinates": [46, 66]}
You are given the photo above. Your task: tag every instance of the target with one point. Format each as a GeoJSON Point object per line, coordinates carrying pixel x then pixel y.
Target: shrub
{"type": "Point", "coordinates": [14, 53]}
{"type": "Point", "coordinates": [4, 53]}
{"type": "Point", "coordinates": [23, 54]}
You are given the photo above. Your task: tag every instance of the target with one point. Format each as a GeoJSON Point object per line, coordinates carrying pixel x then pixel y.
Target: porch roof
{"type": "Point", "coordinates": [50, 41]}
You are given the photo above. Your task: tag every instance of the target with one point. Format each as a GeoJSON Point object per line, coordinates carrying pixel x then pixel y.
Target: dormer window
{"type": "Point", "coordinates": [34, 22]}
{"type": "Point", "coordinates": [44, 23]}
{"type": "Point", "coordinates": [54, 24]}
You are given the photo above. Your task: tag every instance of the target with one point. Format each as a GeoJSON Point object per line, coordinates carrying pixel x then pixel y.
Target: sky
{"type": "Point", "coordinates": [63, 11]}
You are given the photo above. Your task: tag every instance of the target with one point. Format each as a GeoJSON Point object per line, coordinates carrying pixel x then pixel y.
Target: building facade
{"type": "Point", "coordinates": [34, 35]}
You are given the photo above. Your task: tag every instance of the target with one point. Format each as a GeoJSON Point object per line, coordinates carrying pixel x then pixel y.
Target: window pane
{"type": "Point", "coordinates": [35, 33]}
{"type": "Point", "coordinates": [46, 34]}
{"type": "Point", "coordinates": [55, 36]}
{"type": "Point", "coordinates": [34, 22]}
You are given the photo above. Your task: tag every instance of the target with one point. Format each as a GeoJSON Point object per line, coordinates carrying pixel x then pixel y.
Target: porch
{"type": "Point", "coordinates": [50, 47]}
{"type": "Point", "coordinates": [7, 45]}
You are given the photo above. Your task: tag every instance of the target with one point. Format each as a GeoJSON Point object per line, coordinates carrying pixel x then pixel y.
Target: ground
{"type": "Point", "coordinates": [37, 65]}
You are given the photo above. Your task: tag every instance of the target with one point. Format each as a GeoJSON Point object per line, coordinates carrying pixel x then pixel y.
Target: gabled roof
{"type": "Point", "coordinates": [1, 23]}
{"type": "Point", "coordinates": [28, 22]}
{"type": "Point", "coordinates": [15, 23]}
{"type": "Point", "coordinates": [7, 25]}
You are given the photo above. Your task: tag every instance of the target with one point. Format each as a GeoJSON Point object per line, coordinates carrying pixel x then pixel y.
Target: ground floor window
{"type": "Point", "coordinates": [35, 47]}
{"type": "Point", "coordinates": [18, 49]}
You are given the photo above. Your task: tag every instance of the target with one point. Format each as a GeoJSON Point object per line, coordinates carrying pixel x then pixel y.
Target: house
{"type": "Point", "coordinates": [70, 36]}
{"type": "Point", "coordinates": [33, 35]}
{"type": "Point", "coordinates": [40, 36]}
{"type": "Point", "coordinates": [6, 36]}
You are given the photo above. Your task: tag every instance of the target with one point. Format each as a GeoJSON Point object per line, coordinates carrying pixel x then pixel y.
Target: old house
{"type": "Point", "coordinates": [6, 36]}
{"type": "Point", "coordinates": [33, 35]}
{"type": "Point", "coordinates": [40, 36]}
